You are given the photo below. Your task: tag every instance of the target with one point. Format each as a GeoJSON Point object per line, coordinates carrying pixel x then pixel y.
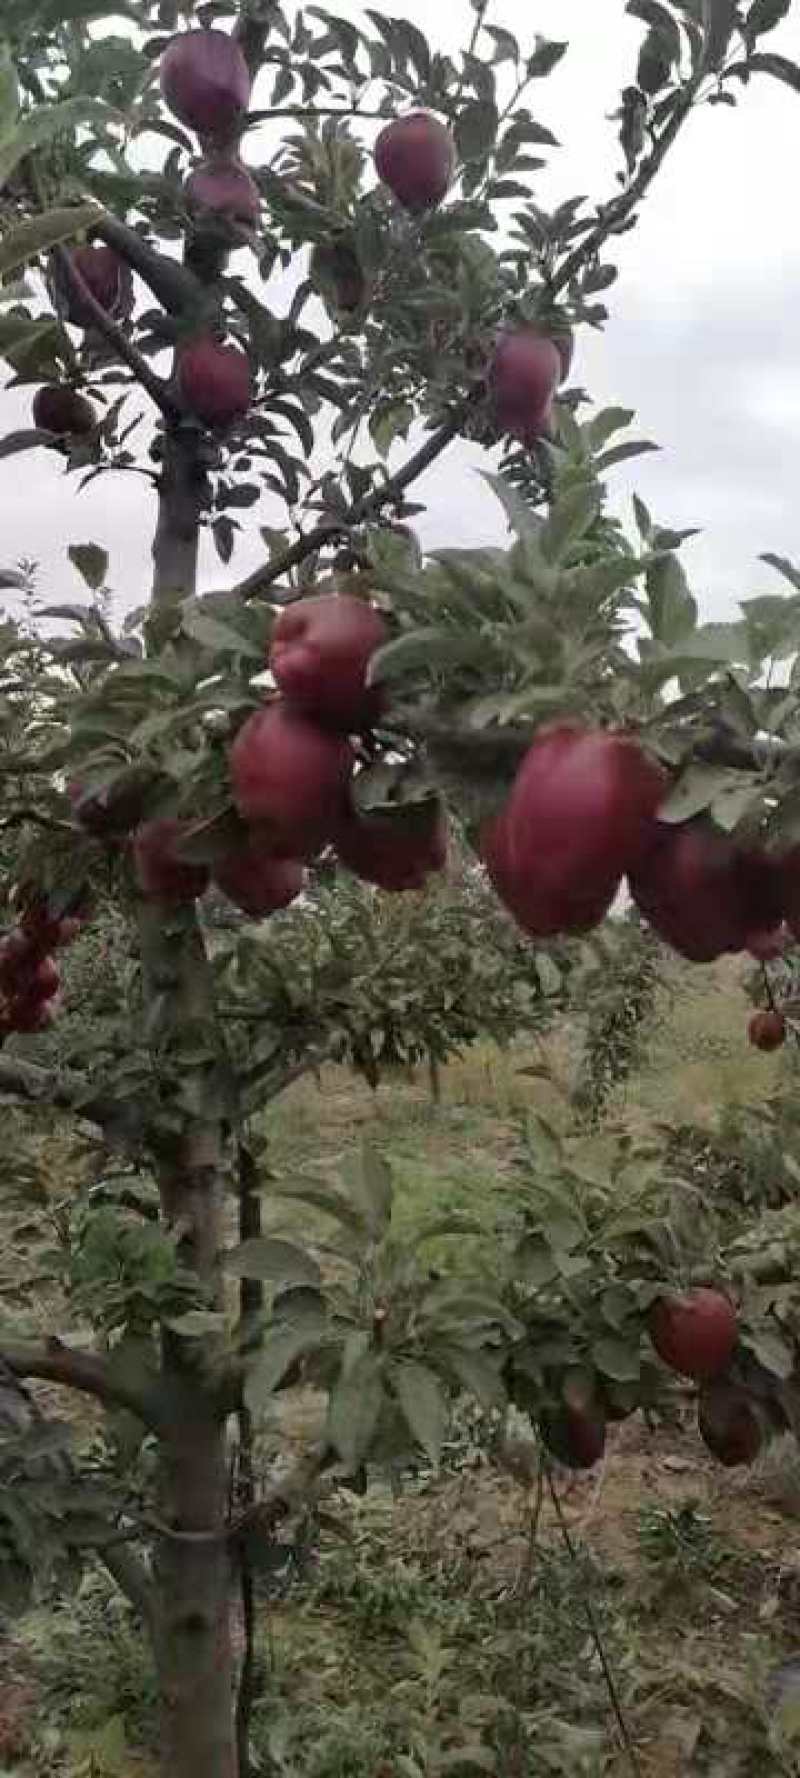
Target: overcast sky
{"type": "Point", "coordinates": [703, 339]}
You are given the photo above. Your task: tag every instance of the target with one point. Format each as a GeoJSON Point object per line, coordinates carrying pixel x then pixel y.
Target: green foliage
{"type": "Point", "coordinates": [616, 994]}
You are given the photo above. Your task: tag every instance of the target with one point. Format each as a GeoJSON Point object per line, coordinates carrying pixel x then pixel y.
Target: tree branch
{"type": "Point", "coordinates": [67, 1092]}
{"type": "Point", "coordinates": [133, 1579]}
{"type": "Point", "coordinates": [116, 336]}
{"type": "Point", "coordinates": [86, 1372]}
{"type": "Point", "coordinates": [360, 511]}
{"type": "Point", "coordinates": [613, 215]}
{"type": "Point", "coordinates": [172, 284]}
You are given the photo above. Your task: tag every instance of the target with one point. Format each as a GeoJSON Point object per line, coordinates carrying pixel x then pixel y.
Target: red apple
{"type": "Point", "coordinates": [578, 815]}
{"type": "Point", "coordinates": [729, 1424]}
{"type": "Point", "coordinates": [46, 979]}
{"type": "Point", "coordinates": [790, 880]}
{"type": "Point", "coordinates": [769, 943]}
{"type": "Point", "coordinates": [689, 888]}
{"type": "Point", "coordinates": [19, 957]}
{"type": "Point", "coordinates": [695, 1334]}
{"type": "Point", "coordinates": [415, 156]}
{"type": "Point", "coordinates": [320, 651]}
{"type": "Point", "coordinates": [161, 873]}
{"type": "Point", "coordinates": [767, 1030]}
{"type": "Point", "coordinates": [30, 1014]}
{"type": "Point", "coordinates": [257, 882]}
{"type": "Point", "coordinates": [225, 187]}
{"type": "Point", "coordinates": [398, 850]}
{"type": "Point", "coordinates": [107, 278]}
{"type": "Point", "coordinates": [214, 381]}
{"type": "Point", "coordinates": [288, 776]}
{"type": "Point", "coordinates": [57, 408]}
{"type": "Point", "coordinates": [575, 1436]}
{"type": "Point", "coordinates": [205, 81]}
{"type": "Point", "coordinates": [524, 373]}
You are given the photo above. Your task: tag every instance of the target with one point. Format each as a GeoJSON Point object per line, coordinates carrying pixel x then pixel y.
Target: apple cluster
{"type": "Point", "coordinates": [695, 1334]}
{"type": "Point", "coordinates": [292, 765]}
{"type": "Point", "coordinates": [29, 975]}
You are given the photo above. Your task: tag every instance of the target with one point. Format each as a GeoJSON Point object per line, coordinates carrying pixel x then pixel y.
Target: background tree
{"type": "Point", "coordinates": [166, 736]}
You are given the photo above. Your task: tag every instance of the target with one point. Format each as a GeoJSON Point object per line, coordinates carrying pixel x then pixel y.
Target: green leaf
{"type": "Point", "coordinates": [616, 1358]}
{"type": "Point", "coordinates": [42, 125]}
{"type": "Point", "coordinates": [196, 1323]}
{"type": "Point", "coordinates": [545, 58]}
{"type": "Point", "coordinates": [432, 648]}
{"type": "Point", "coordinates": [764, 15]}
{"type": "Point", "coordinates": [534, 1261]}
{"type": "Point", "coordinates": [695, 790]}
{"type": "Point", "coordinates": [280, 1346]}
{"type": "Point", "coordinates": [778, 66]}
{"type": "Point", "coordinates": [521, 519]}
{"type": "Point", "coordinates": [477, 1372]}
{"type": "Point", "coordinates": [672, 610]}
{"type": "Point", "coordinates": [211, 633]}
{"type": "Point", "coordinates": [651, 12]}
{"type": "Point", "coordinates": [388, 423]}
{"type": "Point", "coordinates": [423, 1403]}
{"type": "Point", "coordinates": [323, 1197]}
{"type": "Point", "coordinates": [654, 65]}
{"type": "Point", "coordinates": [24, 440]}
{"type": "Point", "coordinates": [91, 562]}
{"type": "Point", "coordinates": [354, 1409]}
{"type": "Point", "coordinates": [634, 447]}
{"type": "Point", "coordinates": [773, 1352]}
{"type": "Point", "coordinates": [9, 93]}
{"type": "Point", "coordinates": [374, 1190]}
{"type": "Point", "coordinates": [568, 519]}
{"type": "Point", "coordinates": [719, 19]}
{"type": "Point", "coordinates": [784, 567]}
{"type": "Point", "coordinates": [273, 1261]}
{"type": "Point", "coordinates": [476, 130]}
{"type": "Point", "coordinates": [603, 426]}
{"type": "Point", "coordinates": [40, 233]}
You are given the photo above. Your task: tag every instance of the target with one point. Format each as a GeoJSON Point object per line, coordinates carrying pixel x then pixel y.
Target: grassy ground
{"type": "Point", "coordinates": [422, 1631]}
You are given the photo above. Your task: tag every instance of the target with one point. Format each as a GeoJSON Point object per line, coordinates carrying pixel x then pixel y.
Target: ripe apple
{"type": "Point", "coordinates": [30, 1013]}
{"type": "Point", "coordinates": [214, 381]}
{"type": "Point", "coordinates": [729, 1424]}
{"type": "Point", "coordinates": [57, 408]}
{"type": "Point", "coordinates": [767, 1030]}
{"type": "Point", "coordinates": [19, 957]}
{"type": "Point", "coordinates": [415, 156]}
{"type": "Point", "coordinates": [205, 82]}
{"type": "Point", "coordinates": [695, 1334]}
{"type": "Point", "coordinates": [288, 776]}
{"type": "Point", "coordinates": [769, 943]}
{"type": "Point", "coordinates": [578, 815]}
{"type": "Point", "coordinates": [524, 373]}
{"type": "Point", "coordinates": [225, 187]}
{"type": "Point", "coordinates": [114, 808]}
{"type": "Point", "coordinates": [46, 979]}
{"type": "Point", "coordinates": [575, 1436]}
{"type": "Point", "coordinates": [107, 278]}
{"type": "Point", "coordinates": [689, 888]}
{"type": "Point", "coordinates": [320, 651]}
{"type": "Point", "coordinates": [256, 881]}
{"type": "Point", "coordinates": [398, 850]}
{"type": "Point", "coordinates": [161, 873]}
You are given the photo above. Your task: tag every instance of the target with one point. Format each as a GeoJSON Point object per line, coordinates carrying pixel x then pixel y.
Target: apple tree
{"type": "Point", "coordinates": [289, 240]}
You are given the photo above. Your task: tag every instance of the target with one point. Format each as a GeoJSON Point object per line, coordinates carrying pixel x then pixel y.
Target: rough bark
{"type": "Point", "coordinates": [183, 493]}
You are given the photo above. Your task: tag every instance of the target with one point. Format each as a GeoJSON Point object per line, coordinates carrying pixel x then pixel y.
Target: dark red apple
{"type": "Point", "coordinates": [398, 850]}
{"type": "Point", "coordinates": [161, 873]}
{"type": "Point", "coordinates": [767, 1030]}
{"type": "Point", "coordinates": [288, 776]}
{"type": "Point", "coordinates": [107, 278]}
{"type": "Point", "coordinates": [46, 979]}
{"type": "Point", "coordinates": [19, 957]}
{"type": "Point", "coordinates": [205, 81]}
{"type": "Point", "coordinates": [319, 654]}
{"type": "Point", "coordinates": [415, 156]}
{"type": "Point", "coordinates": [729, 1424]}
{"type": "Point", "coordinates": [223, 186]}
{"type": "Point", "coordinates": [769, 943]}
{"type": "Point", "coordinates": [30, 1014]}
{"type": "Point", "coordinates": [689, 888]}
{"type": "Point", "coordinates": [57, 408]}
{"type": "Point", "coordinates": [694, 1334]}
{"type": "Point", "coordinates": [257, 882]}
{"type": "Point", "coordinates": [790, 880]}
{"type": "Point", "coordinates": [524, 373]}
{"type": "Point", "coordinates": [575, 1436]}
{"type": "Point", "coordinates": [579, 813]}
{"type": "Point", "coordinates": [214, 381]}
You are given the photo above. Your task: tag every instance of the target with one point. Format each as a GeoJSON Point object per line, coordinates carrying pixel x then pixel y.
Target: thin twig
{"type": "Point", "coordinates": [87, 1372]}
{"type": "Point", "coordinates": [594, 1629]}
{"type": "Point", "coordinates": [115, 336]}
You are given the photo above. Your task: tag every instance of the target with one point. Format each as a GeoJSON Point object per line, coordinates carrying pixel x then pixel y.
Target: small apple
{"type": "Point", "coordinates": [319, 654]}
{"type": "Point", "coordinates": [396, 851]}
{"type": "Point", "coordinates": [214, 381]}
{"type": "Point", "coordinates": [415, 156]}
{"type": "Point", "coordinates": [767, 1030]}
{"type": "Point", "coordinates": [288, 776]}
{"type": "Point", "coordinates": [575, 1436]}
{"type": "Point", "coordinates": [107, 278]}
{"type": "Point", "coordinates": [223, 186]}
{"type": "Point", "coordinates": [205, 81]}
{"type": "Point", "coordinates": [729, 1424]}
{"type": "Point", "coordinates": [18, 960]}
{"type": "Point", "coordinates": [579, 813]}
{"type": "Point", "coordinates": [694, 1334]}
{"type": "Point", "coordinates": [524, 372]}
{"type": "Point", "coordinates": [689, 888]}
{"type": "Point", "coordinates": [60, 409]}
{"type": "Point", "coordinates": [161, 873]}
{"type": "Point", "coordinates": [257, 882]}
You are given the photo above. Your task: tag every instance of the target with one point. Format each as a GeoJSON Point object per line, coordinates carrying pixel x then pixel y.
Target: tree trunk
{"type": "Point", "coordinates": [183, 496]}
